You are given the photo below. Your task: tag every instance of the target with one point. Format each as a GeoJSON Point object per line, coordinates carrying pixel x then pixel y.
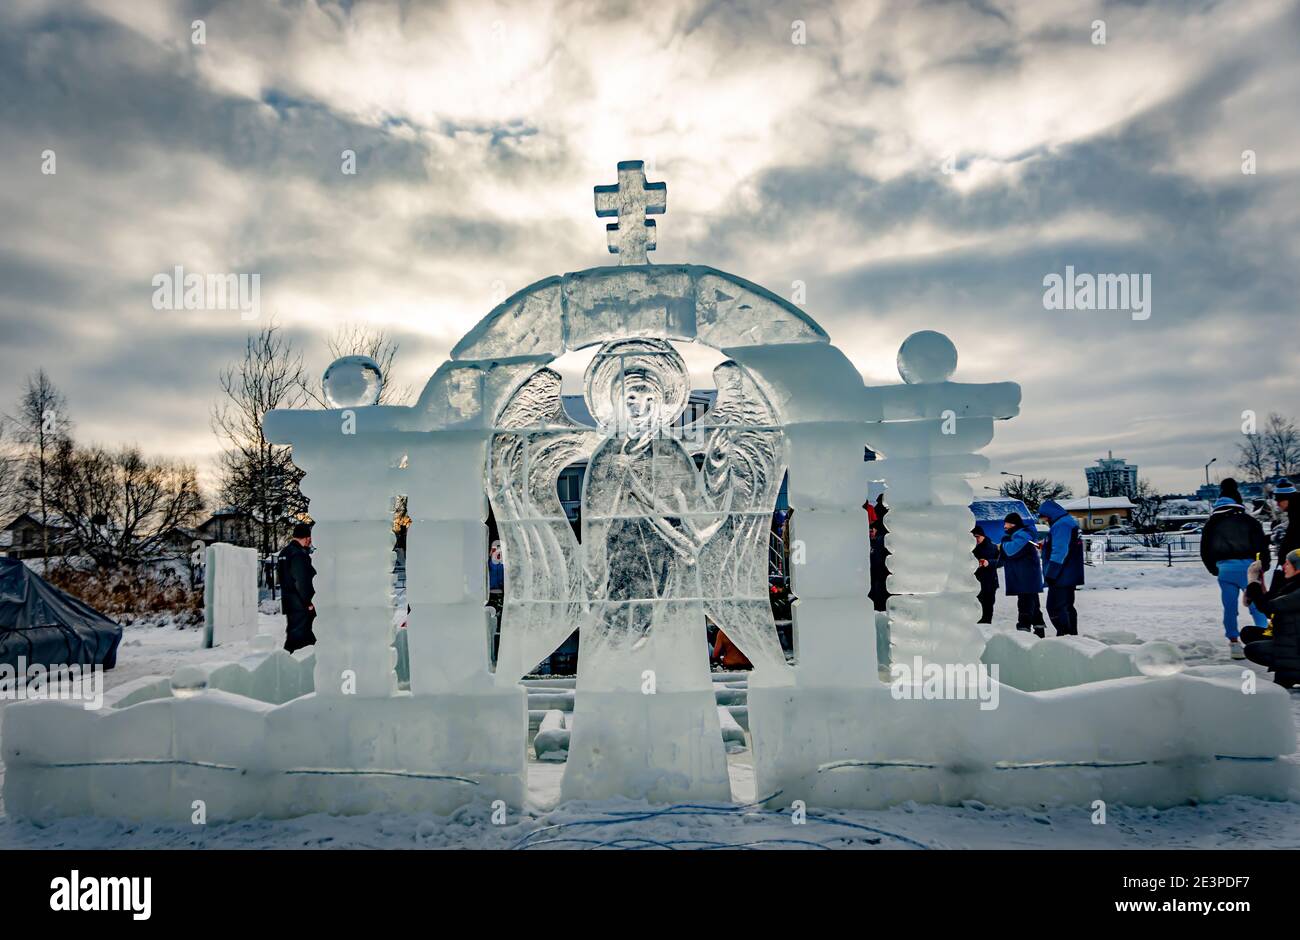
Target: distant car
{"type": "Point", "coordinates": [1191, 527]}
{"type": "Point", "coordinates": [1115, 530]}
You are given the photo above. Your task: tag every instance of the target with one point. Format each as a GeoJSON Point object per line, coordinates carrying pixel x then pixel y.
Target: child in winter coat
{"type": "Point", "coordinates": [987, 575]}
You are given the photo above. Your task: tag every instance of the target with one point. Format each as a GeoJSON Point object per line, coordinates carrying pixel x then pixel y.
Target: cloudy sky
{"type": "Point", "coordinates": [915, 164]}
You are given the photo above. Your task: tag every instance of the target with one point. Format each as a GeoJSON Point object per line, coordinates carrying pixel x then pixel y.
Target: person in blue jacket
{"type": "Point", "coordinates": [1062, 566]}
{"type": "Point", "coordinates": [1018, 557]}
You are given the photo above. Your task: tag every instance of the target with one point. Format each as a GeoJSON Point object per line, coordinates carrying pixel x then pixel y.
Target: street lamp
{"type": "Point", "coordinates": [1207, 470]}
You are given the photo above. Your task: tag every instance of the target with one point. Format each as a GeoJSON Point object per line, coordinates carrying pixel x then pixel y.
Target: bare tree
{"type": "Point", "coordinates": [40, 426]}
{"type": "Point", "coordinates": [10, 470]}
{"type": "Point", "coordinates": [1282, 442]}
{"type": "Point", "coordinates": [120, 506]}
{"type": "Point", "coordinates": [1033, 492]}
{"type": "Point", "coordinates": [1146, 514]}
{"type": "Point", "coordinates": [357, 339]}
{"type": "Point", "coordinates": [257, 477]}
{"type": "Point", "coordinates": [1252, 458]}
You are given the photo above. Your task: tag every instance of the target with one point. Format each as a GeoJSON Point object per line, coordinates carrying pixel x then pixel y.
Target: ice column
{"type": "Point", "coordinates": [931, 430]}
{"type": "Point", "coordinates": [349, 478]}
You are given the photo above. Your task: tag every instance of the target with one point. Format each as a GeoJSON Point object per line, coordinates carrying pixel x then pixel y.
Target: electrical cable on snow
{"type": "Point", "coordinates": [615, 817]}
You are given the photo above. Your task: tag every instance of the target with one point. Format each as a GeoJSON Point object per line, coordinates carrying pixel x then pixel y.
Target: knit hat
{"type": "Point", "coordinates": [1293, 556]}
{"type": "Point", "coordinates": [1284, 487]}
{"type": "Point", "coordinates": [1014, 518]}
{"type": "Point", "coordinates": [302, 530]}
{"type": "Point", "coordinates": [976, 530]}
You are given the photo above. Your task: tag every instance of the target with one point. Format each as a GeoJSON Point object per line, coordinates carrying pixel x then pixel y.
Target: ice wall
{"type": "Point", "coordinates": [229, 595]}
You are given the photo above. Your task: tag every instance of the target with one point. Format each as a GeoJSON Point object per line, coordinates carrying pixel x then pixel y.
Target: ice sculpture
{"type": "Point", "coordinates": [665, 547]}
{"type": "Point", "coordinates": [928, 443]}
{"type": "Point", "coordinates": [663, 544]}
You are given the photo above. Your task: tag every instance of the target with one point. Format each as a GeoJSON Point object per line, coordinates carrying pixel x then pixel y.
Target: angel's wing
{"type": "Point", "coordinates": [534, 441]}
{"type": "Point", "coordinates": [744, 463]}
{"type": "Point", "coordinates": [743, 453]}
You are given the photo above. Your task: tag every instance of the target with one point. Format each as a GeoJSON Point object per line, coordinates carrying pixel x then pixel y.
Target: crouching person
{"type": "Point", "coordinates": [1280, 653]}
{"type": "Point", "coordinates": [297, 590]}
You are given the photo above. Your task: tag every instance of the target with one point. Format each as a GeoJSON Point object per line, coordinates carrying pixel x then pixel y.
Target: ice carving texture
{"type": "Point", "coordinates": [545, 600]}
{"type": "Point", "coordinates": [616, 303]}
{"type": "Point", "coordinates": [744, 461]}
{"type": "Point", "coordinates": [526, 324]}
{"type": "Point", "coordinates": [732, 313]}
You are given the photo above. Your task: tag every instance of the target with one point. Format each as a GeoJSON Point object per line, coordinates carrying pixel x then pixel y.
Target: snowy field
{"type": "Point", "coordinates": [1180, 604]}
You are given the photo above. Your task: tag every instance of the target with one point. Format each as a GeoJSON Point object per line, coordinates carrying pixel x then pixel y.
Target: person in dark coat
{"type": "Point", "coordinates": [1228, 489]}
{"type": "Point", "coordinates": [1018, 557]}
{"type": "Point", "coordinates": [1230, 541]}
{"type": "Point", "coordinates": [1280, 653]}
{"type": "Point", "coordinates": [1062, 566]}
{"type": "Point", "coordinates": [987, 574]}
{"type": "Point", "coordinates": [296, 590]}
{"type": "Point", "coordinates": [1286, 535]}
{"type": "Point", "coordinates": [879, 592]}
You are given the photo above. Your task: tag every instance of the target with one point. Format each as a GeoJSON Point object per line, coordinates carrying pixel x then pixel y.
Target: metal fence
{"type": "Point", "coordinates": [1099, 550]}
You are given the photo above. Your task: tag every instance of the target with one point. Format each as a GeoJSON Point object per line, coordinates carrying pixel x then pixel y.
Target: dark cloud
{"type": "Point", "coordinates": [823, 163]}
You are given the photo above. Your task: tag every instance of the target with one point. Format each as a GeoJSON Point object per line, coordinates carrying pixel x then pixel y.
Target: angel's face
{"type": "Point", "coordinates": [640, 402]}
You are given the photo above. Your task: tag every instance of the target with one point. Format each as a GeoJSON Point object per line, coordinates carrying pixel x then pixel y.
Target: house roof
{"type": "Point", "coordinates": [53, 520]}
{"type": "Point", "coordinates": [1089, 503]}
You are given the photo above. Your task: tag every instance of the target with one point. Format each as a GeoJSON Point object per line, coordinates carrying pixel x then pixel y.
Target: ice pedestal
{"type": "Point", "coordinates": [662, 747]}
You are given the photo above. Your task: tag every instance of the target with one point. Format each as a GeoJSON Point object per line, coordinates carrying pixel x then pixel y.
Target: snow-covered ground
{"type": "Point", "coordinates": [1180, 604]}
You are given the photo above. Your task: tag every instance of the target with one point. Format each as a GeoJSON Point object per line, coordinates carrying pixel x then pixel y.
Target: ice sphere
{"type": "Point", "coordinates": [1158, 658]}
{"type": "Point", "coordinates": [926, 356]}
{"type": "Point", "coordinates": [189, 681]}
{"type": "Point", "coordinates": [353, 382]}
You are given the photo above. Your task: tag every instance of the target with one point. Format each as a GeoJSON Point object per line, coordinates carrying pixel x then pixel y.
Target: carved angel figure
{"type": "Point", "coordinates": [662, 543]}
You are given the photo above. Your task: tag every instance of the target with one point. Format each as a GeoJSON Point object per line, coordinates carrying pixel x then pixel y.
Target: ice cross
{"type": "Point", "coordinates": [631, 199]}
